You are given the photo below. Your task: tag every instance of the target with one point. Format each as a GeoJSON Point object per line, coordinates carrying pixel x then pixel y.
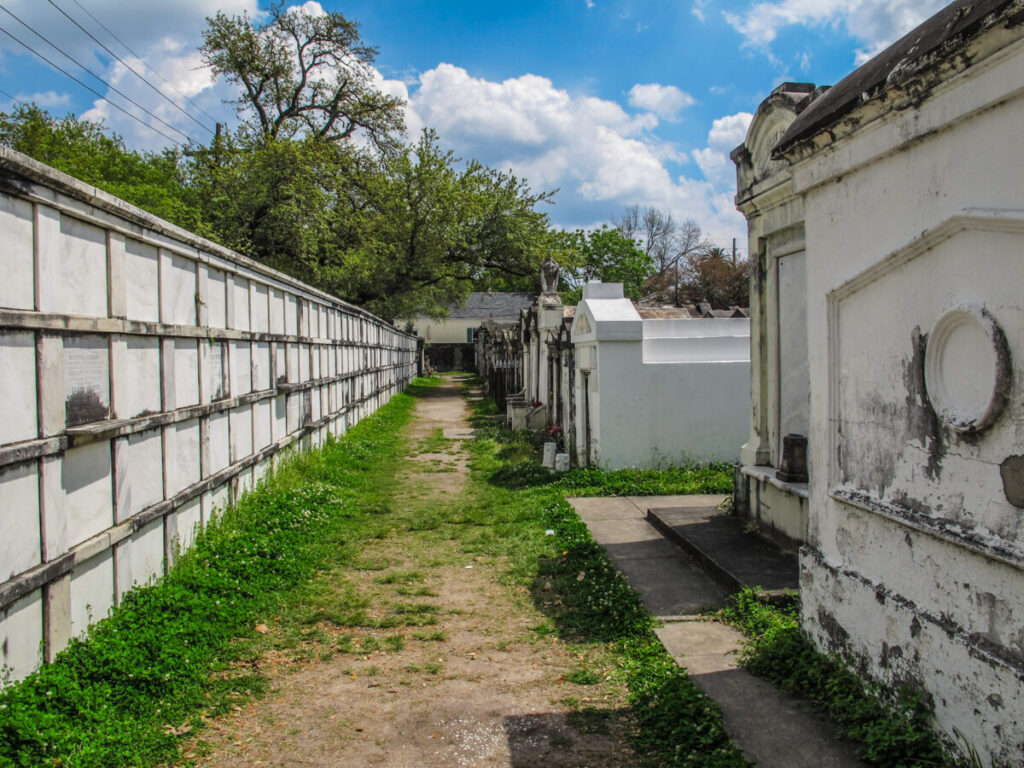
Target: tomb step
{"type": "Point", "coordinates": [735, 556]}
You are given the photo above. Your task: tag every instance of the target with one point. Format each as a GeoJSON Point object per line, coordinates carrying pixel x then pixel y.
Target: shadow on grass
{"type": "Point", "coordinates": [521, 475]}
{"type": "Point", "coordinates": [581, 737]}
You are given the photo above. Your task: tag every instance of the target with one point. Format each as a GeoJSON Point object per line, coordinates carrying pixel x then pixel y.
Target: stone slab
{"type": "Point", "coordinates": [624, 532]}
{"type": "Point", "coordinates": [690, 501]}
{"type": "Point", "coordinates": [702, 646]}
{"type": "Point", "coordinates": [605, 508]}
{"type": "Point", "coordinates": [669, 581]}
{"type": "Point", "coordinates": [736, 557]}
{"type": "Point", "coordinates": [669, 586]}
{"type": "Point", "coordinates": [773, 729]}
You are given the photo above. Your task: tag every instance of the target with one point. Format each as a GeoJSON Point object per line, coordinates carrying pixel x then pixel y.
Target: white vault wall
{"type": "Point", "coordinates": [149, 378]}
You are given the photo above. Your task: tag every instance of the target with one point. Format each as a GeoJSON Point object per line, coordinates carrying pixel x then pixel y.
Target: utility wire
{"type": "Point", "coordinates": [89, 87]}
{"type": "Point", "coordinates": [86, 69]}
{"type": "Point", "coordinates": [133, 53]}
{"type": "Point", "coordinates": [132, 69]}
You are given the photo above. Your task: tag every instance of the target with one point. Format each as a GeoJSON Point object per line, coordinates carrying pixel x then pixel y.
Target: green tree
{"type": "Point", "coordinates": [603, 254]}
{"type": "Point", "coordinates": [302, 73]}
{"type": "Point", "coordinates": [711, 275]}
{"type": "Point", "coordinates": [155, 182]}
{"type": "Point", "coordinates": [423, 233]}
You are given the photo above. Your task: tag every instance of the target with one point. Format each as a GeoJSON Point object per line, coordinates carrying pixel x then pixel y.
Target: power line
{"type": "Point", "coordinates": [133, 53]}
{"type": "Point", "coordinates": [89, 87]}
{"type": "Point", "coordinates": [132, 69]}
{"type": "Point", "coordinates": [122, 94]}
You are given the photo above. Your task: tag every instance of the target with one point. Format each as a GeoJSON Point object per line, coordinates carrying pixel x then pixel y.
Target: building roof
{"type": "Point", "coordinates": [484, 305]}
{"type": "Point", "coordinates": [691, 311]}
{"type": "Point", "coordinates": [667, 313]}
{"type": "Point", "coordinates": [949, 29]}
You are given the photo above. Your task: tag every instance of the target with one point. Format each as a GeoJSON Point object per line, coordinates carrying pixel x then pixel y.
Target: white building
{"type": "Point", "coordinates": [449, 340]}
{"type": "Point", "coordinates": [902, 185]}
{"type": "Point", "coordinates": [655, 393]}
{"type": "Point", "coordinates": [780, 389]}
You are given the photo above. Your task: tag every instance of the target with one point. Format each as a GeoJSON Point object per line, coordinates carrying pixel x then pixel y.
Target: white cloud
{"type": "Point", "coordinates": [725, 134]}
{"type": "Point", "coordinates": [664, 100]}
{"type": "Point", "coordinates": [312, 7]}
{"type": "Point", "coordinates": [698, 10]}
{"type": "Point", "coordinates": [590, 3]}
{"type": "Point", "coordinates": [164, 34]}
{"type": "Point", "coordinates": [598, 156]}
{"type": "Point", "coordinates": [875, 22]}
{"type": "Point", "coordinates": [729, 131]}
{"type": "Point", "coordinates": [47, 99]}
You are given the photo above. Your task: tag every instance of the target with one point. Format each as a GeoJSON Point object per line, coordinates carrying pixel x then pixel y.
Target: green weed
{"type": "Point", "coordinates": [893, 729]}
{"type": "Point", "coordinates": [168, 653]}
{"type": "Point", "coordinates": [582, 677]}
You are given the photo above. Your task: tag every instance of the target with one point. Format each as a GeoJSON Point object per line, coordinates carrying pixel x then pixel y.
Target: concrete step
{"type": "Point", "coordinates": [727, 550]}
{"type": "Point", "coordinates": [670, 582]}
{"type": "Point", "coordinates": [773, 729]}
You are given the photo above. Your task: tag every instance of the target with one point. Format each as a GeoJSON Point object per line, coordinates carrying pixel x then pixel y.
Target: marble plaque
{"type": "Point", "coordinates": [218, 381]}
{"type": "Point", "coordinates": [86, 379]}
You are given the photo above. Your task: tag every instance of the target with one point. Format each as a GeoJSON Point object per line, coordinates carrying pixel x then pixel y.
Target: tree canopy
{"type": "Point", "coordinates": [85, 150]}
{"type": "Point", "coordinates": [318, 182]}
{"type": "Point", "coordinates": [604, 254]}
{"type": "Point", "coordinates": [302, 72]}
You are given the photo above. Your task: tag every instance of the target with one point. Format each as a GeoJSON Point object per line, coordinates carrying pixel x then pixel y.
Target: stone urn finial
{"type": "Point", "coordinates": [549, 275]}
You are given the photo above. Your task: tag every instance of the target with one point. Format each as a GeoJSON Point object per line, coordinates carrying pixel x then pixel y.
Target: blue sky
{"type": "Point", "coordinates": [612, 102]}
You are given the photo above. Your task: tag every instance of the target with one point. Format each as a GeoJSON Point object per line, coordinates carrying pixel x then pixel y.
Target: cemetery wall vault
{"type": "Point", "coordinates": [908, 173]}
{"type": "Point", "coordinates": [149, 378]}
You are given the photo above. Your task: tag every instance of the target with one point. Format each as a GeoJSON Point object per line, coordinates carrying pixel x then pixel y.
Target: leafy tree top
{"type": "Point", "coordinates": [302, 72]}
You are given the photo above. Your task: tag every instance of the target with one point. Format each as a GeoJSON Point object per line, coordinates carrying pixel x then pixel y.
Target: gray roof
{"type": "Point", "coordinates": [484, 305]}
{"type": "Point", "coordinates": [949, 29]}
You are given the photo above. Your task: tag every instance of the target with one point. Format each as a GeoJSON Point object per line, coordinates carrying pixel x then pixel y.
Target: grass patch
{"type": "Point", "coordinates": [436, 636]}
{"type": "Point", "coordinates": [171, 652]}
{"type": "Point", "coordinates": [893, 730]}
{"type": "Point", "coordinates": [710, 478]}
{"type": "Point", "coordinates": [675, 723]}
{"type": "Point", "coordinates": [582, 677]}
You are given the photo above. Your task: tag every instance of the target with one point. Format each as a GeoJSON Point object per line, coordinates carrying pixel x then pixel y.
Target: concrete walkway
{"type": "Point", "coordinates": [770, 727]}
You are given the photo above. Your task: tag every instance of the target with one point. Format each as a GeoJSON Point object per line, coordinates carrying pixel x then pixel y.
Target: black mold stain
{"type": "Point", "coordinates": [915, 627]}
{"type": "Point", "coordinates": [84, 406]}
{"type": "Point", "coordinates": [1012, 473]}
{"type": "Point", "coordinates": [922, 421]}
{"type": "Point", "coordinates": [918, 508]}
{"type": "Point", "coordinates": [890, 653]}
{"type": "Point", "coordinates": [837, 635]}
{"type": "Point", "coordinates": [14, 184]}
{"type": "Point", "coordinates": [995, 701]}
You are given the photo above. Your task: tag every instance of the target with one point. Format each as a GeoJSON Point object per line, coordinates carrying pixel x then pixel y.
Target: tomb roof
{"type": "Point", "coordinates": [483, 305]}
{"type": "Point", "coordinates": [947, 31]}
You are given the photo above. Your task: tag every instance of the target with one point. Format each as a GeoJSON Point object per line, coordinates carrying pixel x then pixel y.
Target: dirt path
{"type": "Point", "coordinates": [432, 655]}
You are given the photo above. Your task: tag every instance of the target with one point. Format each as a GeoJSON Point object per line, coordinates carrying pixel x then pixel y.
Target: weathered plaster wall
{"type": "Point", "coordinates": [780, 384]}
{"type": "Point", "coordinates": [915, 563]}
{"type": "Point", "coordinates": [149, 378]}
